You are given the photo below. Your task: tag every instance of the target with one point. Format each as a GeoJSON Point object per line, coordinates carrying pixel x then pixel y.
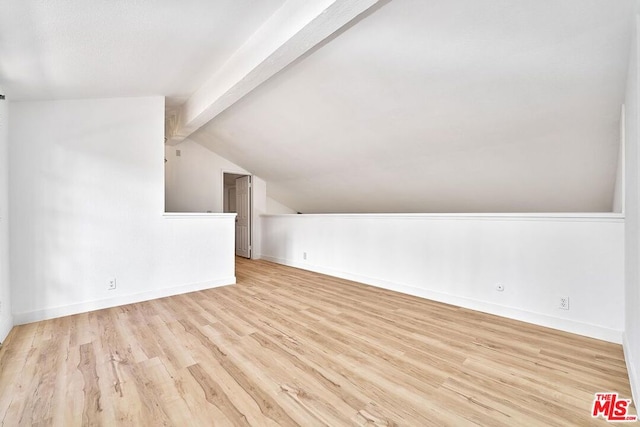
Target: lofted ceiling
{"type": "Point", "coordinates": [390, 106]}
{"type": "Point", "coordinates": [444, 106]}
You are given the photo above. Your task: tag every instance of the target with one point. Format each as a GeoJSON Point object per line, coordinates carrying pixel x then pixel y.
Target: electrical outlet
{"type": "Point", "coordinates": [564, 303]}
{"type": "Point", "coordinates": [304, 255]}
{"type": "Point", "coordinates": [499, 287]}
{"type": "Point", "coordinates": [111, 284]}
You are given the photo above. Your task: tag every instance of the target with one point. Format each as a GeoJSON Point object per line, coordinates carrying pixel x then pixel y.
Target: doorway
{"type": "Point", "coordinates": [237, 199]}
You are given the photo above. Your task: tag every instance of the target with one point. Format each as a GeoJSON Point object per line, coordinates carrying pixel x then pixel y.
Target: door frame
{"type": "Point", "coordinates": [243, 173]}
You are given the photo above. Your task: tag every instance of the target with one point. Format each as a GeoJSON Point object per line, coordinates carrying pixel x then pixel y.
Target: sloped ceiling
{"type": "Point", "coordinates": [444, 106]}
{"type": "Point", "coordinates": [60, 49]}
{"type": "Point", "coordinates": [415, 106]}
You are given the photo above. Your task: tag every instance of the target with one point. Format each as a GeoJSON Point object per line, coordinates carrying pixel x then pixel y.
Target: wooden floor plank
{"type": "Point", "coordinates": [291, 347]}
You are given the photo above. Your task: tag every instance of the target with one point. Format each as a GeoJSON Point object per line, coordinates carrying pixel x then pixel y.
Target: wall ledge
{"type": "Point", "coordinates": [578, 216]}
{"type": "Point", "coordinates": [193, 215]}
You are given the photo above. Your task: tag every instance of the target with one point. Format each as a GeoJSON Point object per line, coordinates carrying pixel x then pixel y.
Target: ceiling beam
{"type": "Point", "coordinates": [289, 33]}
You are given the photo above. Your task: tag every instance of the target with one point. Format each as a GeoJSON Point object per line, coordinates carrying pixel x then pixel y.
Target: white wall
{"type": "Point", "coordinates": [86, 199]}
{"type": "Point", "coordinates": [632, 222]}
{"type": "Point", "coordinates": [277, 208]}
{"type": "Point", "coordinates": [459, 259]}
{"type": "Point", "coordinates": [6, 321]}
{"type": "Point", "coordinates": [194, 180]}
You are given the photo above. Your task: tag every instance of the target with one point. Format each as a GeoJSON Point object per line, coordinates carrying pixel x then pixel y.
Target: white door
{"type": "Point", "coordinates": [243, 220]}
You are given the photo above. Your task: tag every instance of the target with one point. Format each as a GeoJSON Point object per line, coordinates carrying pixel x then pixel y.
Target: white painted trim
{"type": "Point", "coordinates": [196, 215]}
{"type": "Point", "coordinates": [566, 325]}
{"type": "Point", "coordinates": [634, 380]}
{"type": "Point", "coordinates": [5, 328]}
{"type": "Point", "coordinates": [587, 216]}
{"type": "Point", "coordinates": [623, 159]}
{"type": "Point", "coordinates": [67, 310]}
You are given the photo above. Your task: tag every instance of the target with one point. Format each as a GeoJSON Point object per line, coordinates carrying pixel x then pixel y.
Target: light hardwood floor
{"type": "Point", "coordinates": [289, 347]}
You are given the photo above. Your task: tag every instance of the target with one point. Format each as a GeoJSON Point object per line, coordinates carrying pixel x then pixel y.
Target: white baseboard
{"type": "Point", "coordinates": [580, 328]}
{"type": "Point", "coordinates": [5, 328]}
{"type": "Point", "coordinates": [83, 307]}
{"type": "Point", "coordinates": [631, 369]}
